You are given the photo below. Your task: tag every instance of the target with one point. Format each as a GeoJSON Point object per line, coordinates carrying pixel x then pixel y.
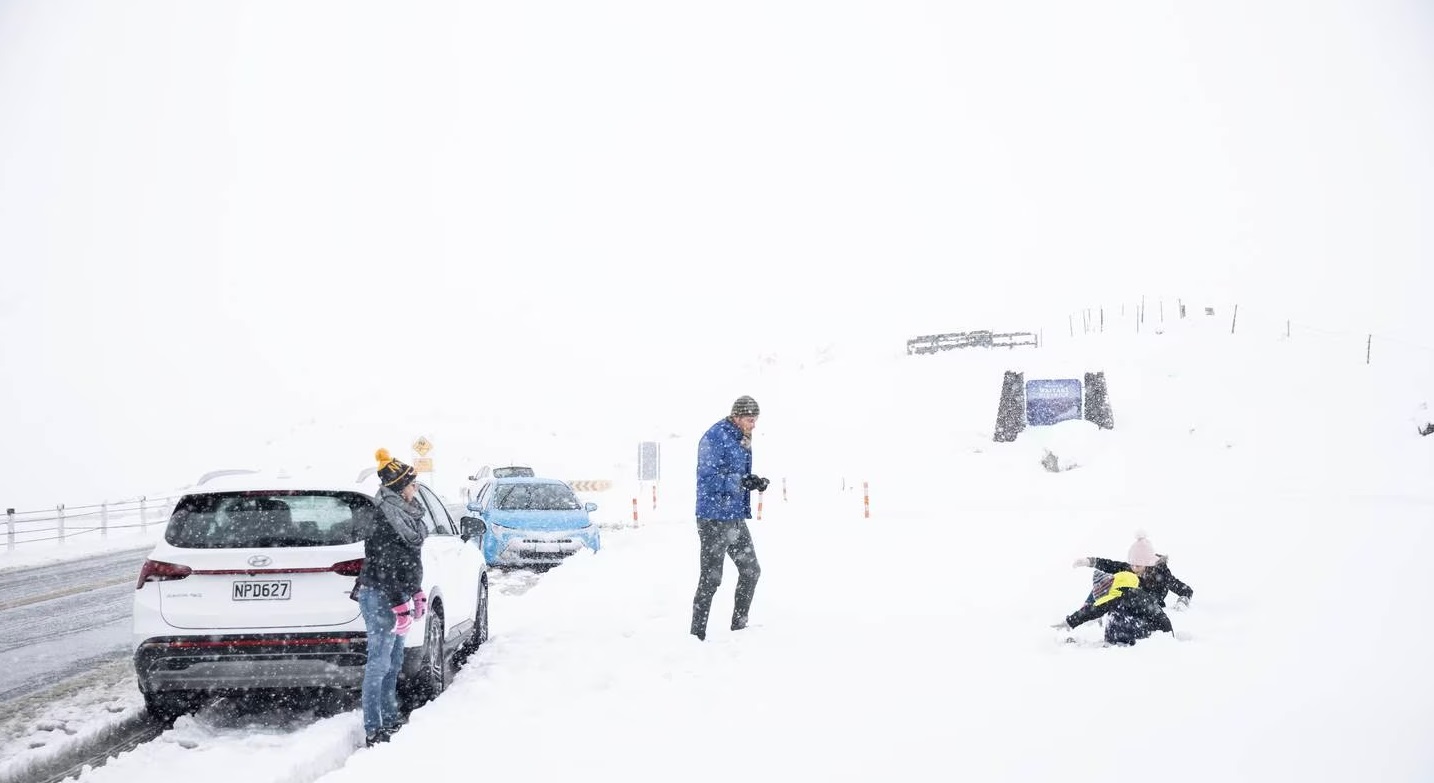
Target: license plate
{"type": "Point", "coordinates": [261, 591]}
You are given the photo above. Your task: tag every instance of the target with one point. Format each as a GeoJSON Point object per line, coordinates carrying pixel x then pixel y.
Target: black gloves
{"type": "Point", "coordinates": [752, 482]}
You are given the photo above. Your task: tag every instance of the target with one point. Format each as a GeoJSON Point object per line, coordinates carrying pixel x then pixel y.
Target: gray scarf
{"type": "Point", "coordinates": [405, 517]}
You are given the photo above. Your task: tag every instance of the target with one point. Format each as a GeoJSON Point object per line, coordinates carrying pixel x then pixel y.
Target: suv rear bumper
{"type": "Point", "coordinates": [300, 660]}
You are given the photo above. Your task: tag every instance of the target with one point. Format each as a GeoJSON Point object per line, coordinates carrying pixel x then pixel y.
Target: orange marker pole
{"type": "Point", "coordinates": [759, 505]}
{"type": "Point", "coordinates": [866, 499]}
{"type": "Point", "coordinates": [654, 495]}
{"type": "Point", "coordinates": [634, 511]}
{"type": "Point", "coordinates": [784, 489]}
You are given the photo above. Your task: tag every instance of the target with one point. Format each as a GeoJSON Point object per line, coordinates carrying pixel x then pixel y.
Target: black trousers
{"type": "Point", "coordinates": [718, 540]}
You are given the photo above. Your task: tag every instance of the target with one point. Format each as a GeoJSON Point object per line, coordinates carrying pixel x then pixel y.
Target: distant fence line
{"type": "Point", "coordinates": [63, 523]}
{"type": "Point", "coordinates": [1138, 318]}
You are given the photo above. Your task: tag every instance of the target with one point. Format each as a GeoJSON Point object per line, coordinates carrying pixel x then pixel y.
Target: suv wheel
{"type": "Point", "coordinates": [480, 624]}
{"type": "Point", "coordinates": [433, 672]}
{"type": "Point", "coordinates": [480, 633]}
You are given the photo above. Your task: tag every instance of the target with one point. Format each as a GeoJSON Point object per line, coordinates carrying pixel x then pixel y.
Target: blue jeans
{"type": "Point", "coordinates": [385, 659]}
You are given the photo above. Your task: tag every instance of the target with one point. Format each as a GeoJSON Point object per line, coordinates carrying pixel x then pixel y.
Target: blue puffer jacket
{"type": "Point", "coordinates": [721, 464]}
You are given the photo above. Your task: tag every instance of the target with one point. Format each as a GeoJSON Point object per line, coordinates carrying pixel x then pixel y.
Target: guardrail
{"type": "Point", "coordinates": [63, 523]}
{"type": "Point", "coordinates": [931, 343]}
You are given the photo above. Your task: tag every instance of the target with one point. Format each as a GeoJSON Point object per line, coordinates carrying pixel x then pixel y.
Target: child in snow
{"type": "Point", "coordinates": [1132, 613]}
{"type": "Point", "coordinates": [1142, 560]}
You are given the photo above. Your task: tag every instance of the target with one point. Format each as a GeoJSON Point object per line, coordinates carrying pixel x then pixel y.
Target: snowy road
{"type": "Point", "coordinates": [68, 695]}
{"type": "Point", "coordinates": [62, 621]}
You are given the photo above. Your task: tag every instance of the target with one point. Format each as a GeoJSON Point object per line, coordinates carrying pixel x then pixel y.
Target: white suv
{"type": "Point", "coordinates": [487, 473]}
{"type": "Point", "coordinates": [250, 590]}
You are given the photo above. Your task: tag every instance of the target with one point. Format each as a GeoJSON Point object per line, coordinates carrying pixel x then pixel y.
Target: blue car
{"type": "Point", "coordinates": [532, 521]}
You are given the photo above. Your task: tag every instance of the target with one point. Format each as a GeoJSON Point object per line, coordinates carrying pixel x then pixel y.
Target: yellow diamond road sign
{"type": "Point", "coordinates": [421, 447]}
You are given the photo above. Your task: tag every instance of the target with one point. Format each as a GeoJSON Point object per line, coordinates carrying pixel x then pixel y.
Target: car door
{"type": "Point", "coordinates": [434, 566]}
{"type": "Point", "coordinates": [488, 546]}
{"type": "Point", "coordinates": [469, 561]}
{"type": "Point", "coordinates": [459, 584]}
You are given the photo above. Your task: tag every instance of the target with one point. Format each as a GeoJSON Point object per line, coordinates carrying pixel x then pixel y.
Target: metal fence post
{"type": "Point", "coordinates": [9, 528]}
{"type": "Point", "coordinates": [105, 519]}
{"type": "Point", "coordinates": [142, 521]}
{"type": "Point", "coordinates": [60, 520]}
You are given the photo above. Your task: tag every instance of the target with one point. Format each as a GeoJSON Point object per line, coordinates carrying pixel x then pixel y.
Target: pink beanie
{"type": "Point", "coordinates": [1142, 552]}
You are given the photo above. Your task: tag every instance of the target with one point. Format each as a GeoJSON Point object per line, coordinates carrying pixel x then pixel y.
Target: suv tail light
{"type": "Point", "coordinates": [160, 571]}
{"type": "Point", "coordinates": [348, 567]}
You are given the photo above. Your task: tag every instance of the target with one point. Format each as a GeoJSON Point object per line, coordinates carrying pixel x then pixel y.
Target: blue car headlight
{"type": "Point", "coordinates": [501, 530]}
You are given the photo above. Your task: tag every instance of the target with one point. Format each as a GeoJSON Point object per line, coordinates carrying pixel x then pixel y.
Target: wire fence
{"type": "Point", "coordinates": [1154, 315]}
{"type": "Point", "coordinates": [65, 523]}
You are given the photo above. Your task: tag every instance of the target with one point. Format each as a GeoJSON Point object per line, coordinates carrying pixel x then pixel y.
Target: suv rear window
{"type": "Point", "coordinates": [234, 520]}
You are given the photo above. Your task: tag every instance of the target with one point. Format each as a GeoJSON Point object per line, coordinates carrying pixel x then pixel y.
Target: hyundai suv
{"type": "Point", "coordinates": [250, 591]}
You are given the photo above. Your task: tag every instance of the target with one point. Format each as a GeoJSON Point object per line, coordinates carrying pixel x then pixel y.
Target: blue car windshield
{"type": "Point", "coordinates": [536, 497]}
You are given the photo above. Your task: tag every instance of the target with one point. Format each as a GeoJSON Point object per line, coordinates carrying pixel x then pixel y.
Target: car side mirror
{"type": "Point", "coordinates": [471, 527]}
{"type": "Point", "coordinates": [590, 507]}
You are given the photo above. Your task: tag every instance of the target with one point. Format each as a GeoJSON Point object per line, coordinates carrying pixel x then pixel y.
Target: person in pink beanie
{"type": "Point", "coordinates": [1152, 568]}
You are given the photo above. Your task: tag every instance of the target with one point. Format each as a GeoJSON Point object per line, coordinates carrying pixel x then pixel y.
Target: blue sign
{"type": "Point", "coordinates": [1052, 401]}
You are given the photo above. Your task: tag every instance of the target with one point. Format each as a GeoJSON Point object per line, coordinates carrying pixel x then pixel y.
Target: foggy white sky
{"type": "Point", "coordinates": [217, 220]}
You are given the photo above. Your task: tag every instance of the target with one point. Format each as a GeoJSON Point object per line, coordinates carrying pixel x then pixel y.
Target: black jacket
{"type": "Point", "coordinates": [1157, 580]}
{"type": "Point", "coordinates": [392, 562]}
{"type": "Point", "coordinates": [1134, 615]}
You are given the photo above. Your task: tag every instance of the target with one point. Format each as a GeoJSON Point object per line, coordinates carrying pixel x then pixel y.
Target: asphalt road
{"type": "Point", "coordinates": [66, 626]}
{"type": "Point", "coordinates": [64, 620]}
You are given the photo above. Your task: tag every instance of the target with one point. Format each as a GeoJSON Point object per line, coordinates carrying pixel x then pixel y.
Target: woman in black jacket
{"type": "Point", "coordinates": [391, 576]}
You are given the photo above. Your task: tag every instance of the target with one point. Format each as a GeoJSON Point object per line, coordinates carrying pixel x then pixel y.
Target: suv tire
{"type": "Point", "coordinates": [480, 624]}
{"type": "Point", "coordinates": [433, 673]}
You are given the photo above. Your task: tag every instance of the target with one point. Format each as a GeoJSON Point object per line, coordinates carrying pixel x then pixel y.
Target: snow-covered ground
{"type": "Point", "coordinates": [1289, 490]}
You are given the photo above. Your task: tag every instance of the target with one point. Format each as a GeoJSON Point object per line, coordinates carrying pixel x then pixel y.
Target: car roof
{"type": "Point", "coordinates": [487, 471]}
{"type": "Point", "coordinates": [528, 480]}
{"type": "Point", "coordinates": [364, 482]}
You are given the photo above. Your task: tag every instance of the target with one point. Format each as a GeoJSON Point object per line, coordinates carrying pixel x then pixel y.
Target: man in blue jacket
{"type": "Point", "coordinates": [724, 485]}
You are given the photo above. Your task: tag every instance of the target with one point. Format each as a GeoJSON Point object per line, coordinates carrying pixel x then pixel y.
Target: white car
{"type": "Point", "coordinates": [487, 473]}
{"type": "Point", "coordinates": [251, 590]}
